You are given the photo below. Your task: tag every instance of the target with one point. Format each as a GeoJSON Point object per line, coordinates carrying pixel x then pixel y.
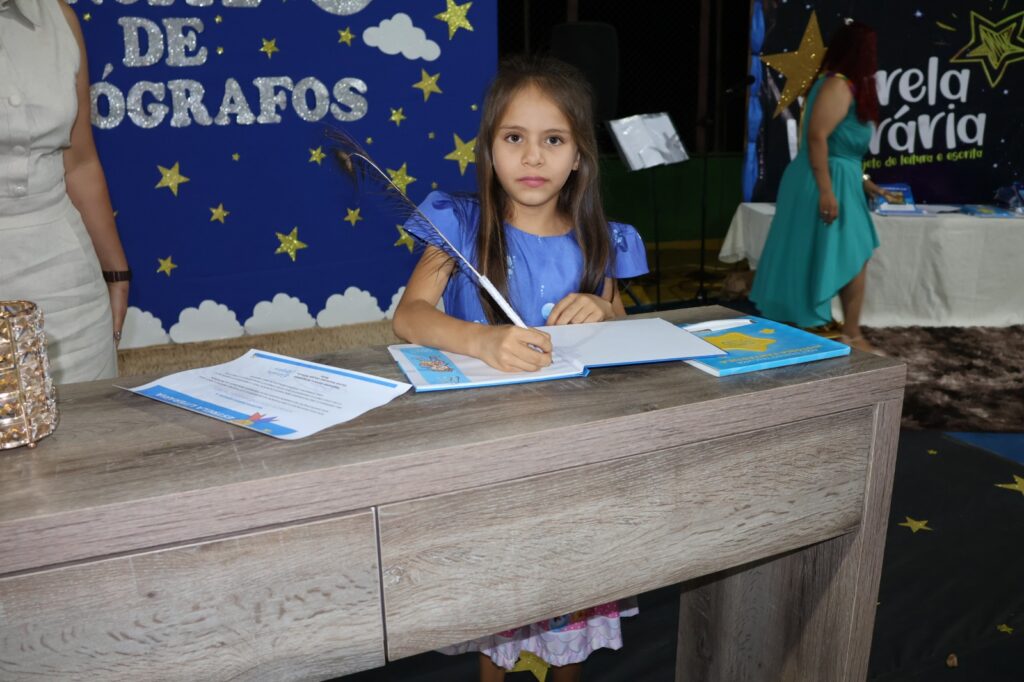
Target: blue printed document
{"type": "Point", "coordinates": [577, 349]}
{"type": "Point", "coordinates": [902, 201]}
{"type": "Point", "coordinates": [274, 394]}
{"type": "Point", "coordinates": [762, 344]}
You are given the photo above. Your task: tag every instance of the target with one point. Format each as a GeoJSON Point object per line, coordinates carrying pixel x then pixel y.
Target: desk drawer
{"type": "Point", "coordinates": [474, 562]}
{"type": "Point", "coordinates": [294, 603]}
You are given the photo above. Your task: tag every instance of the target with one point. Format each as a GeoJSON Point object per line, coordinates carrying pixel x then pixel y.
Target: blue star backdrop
{"type": "Point", "coordinates": [211, 125]}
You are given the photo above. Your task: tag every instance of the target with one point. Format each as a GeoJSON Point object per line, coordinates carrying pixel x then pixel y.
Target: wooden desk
{"type": "Point", "coordinates": [145, 542]}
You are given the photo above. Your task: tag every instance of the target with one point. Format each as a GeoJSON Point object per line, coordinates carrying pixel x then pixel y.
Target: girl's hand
{"type": "Point", "coordinates": [828, 207]}
{"type": "Point", "coordinates": [514, 349]}
{"type": "Point", "coordinates": [118, 306]}
{"type": "Point", "coordinates": [578, 308]}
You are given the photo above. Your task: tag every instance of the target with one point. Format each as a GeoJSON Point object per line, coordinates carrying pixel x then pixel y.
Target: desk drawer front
{"type": "Point", "coordinates": [295, 603]}
{"type": "Point", "coordinates": [474, 562]}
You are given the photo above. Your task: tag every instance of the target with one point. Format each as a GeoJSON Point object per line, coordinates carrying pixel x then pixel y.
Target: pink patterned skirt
{"type": "Point", "coordinates": [558, 641]}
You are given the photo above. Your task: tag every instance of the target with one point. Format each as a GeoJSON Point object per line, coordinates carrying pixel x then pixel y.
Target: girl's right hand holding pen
{"type": "Point", "coordinates": [513, 349]}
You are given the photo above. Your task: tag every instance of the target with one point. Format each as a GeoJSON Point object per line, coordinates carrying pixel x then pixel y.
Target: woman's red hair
{"type": "Point", "coordinates": [853, 52]}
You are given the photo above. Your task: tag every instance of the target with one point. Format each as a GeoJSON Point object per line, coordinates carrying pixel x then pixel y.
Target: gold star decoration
{"type": "Point", "coordinates": [1018, 484]}
{"type": "Point", "coordinates": [86, 17]}
{"type": "Point", "coordinates": [1003, 627]}
{"type": "Point", "coordinates": [317, 155]}
{"type": "Point", "coordinates": [914, 525]}
{"type": "Point", "coordinates": [455, 16]}
{"type": "Point", "coordinates": [433, 185]}
{"type": "Point", "coordinates": [289, 243]}
{"type": "Point", "coordinates": [994, 44]}
{"type": "Point", "coordinates": [218, 19]}
{"type": "Point", "coordinates": [431, 135]}
{"type": "Point", "coordinates": [220, 50]}
{"type": "Point", "coordinates": [236, 156]}
{"type": "Point", "coordinates": [397, 116]}
{"type": "Point", "coordinates": [219, 214]}
{"type": "Point", "coordinates": [404, 238]}
{"type": "Point", "coordinates": [933, 452]}
{"type": "Point", "coordinates": [428, 84]}
{"type": "Point", "coordinates": [401, 177]}
{"type": "Point", "coordinates": [345, 36]}
{"type": "Point", "coordinates": [473, 107]}
{"type": "Point", "coordinates": [463, 153]}
{"type": "Point", "coordinates": [166, 265]}
{"type": "Point", "coordinates": [352, 216]}
{"type": "Point", "coordinates": [270, 47]}
{"type": "Point", "coordinates": [531, 663]}
{"type": "Point", "coordinates": [799, 67]}
{"type": "Point", "coordinates": [170, 177]}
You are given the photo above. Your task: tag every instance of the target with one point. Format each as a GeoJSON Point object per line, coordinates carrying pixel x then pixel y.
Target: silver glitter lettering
{"type": "Point", "coordinates": [342, 7]}
{"type": "Point", "coordinates": [133, 55]}
{"type": "Point", "coordinates": [346, 91]}
{"type": "Point", "coordinates": [234, 104]}
{"type": "Point", "coordinates": [182, 37]}
{"type": "Point", "coordinates": [187, 98]}
{"type": "Point", "coordinates": [321, 98]}
{"type": "Point", "coordinates": [115, 104]}
{"type": "Point", "coordinates": [147, 115]}
{"type": "Point", "coordinates": [242, 3]}
{"type": "Point", "coordinates": [271, 101]}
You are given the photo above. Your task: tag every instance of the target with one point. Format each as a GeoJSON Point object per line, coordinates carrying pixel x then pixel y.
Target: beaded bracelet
{"type": "Point", "coordinates": [117, 275]}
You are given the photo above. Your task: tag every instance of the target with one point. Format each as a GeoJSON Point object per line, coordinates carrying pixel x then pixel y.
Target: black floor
{"type": "Point", "coordinates": [952, 593]}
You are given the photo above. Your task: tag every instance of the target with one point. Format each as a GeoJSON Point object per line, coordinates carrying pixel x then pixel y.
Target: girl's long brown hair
{"type": "Point", "coordinates": [579, 198]}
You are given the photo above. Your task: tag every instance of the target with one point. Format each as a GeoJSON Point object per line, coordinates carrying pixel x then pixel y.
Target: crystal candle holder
{"type": "Point", "coordinates": [28, 398]}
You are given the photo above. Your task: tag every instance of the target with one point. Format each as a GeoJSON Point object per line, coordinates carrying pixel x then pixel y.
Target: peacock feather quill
{"type": "Point", "coordinates": [364, 172]}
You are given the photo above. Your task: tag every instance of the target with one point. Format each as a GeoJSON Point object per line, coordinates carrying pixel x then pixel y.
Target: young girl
{"type": "Point", "coordinates": [538, 232]}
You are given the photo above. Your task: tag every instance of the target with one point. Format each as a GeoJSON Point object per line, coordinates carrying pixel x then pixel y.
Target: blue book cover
{"type": "Point", "coordinates": [762, 344]}
{"type": "Point", "coordinates": [987, 211]}
{"type": "Point", "coordinates": [902, 203]}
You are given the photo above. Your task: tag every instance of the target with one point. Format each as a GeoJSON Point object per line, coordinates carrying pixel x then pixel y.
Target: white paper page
{"type": "Point", "coordinates": [627, 342]}
{"type": "Point", "coordinates": [430, 369]}
{"type": "Point", "coordinates": [275, 394]}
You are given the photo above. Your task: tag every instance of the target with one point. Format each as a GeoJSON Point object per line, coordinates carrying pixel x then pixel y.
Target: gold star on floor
{"type": "Point", "coordinates": [531, 663]}
{"type": "Point", "coordinates": [800, 67]}
{"type": "Point", "coordinates": [404, 238]}
{"type": "Point", "coordinates": [352, 216]}
{"type": "Point", "coordinates": [1005, 628]}
{"type": "Point", "coordinates": [994, 45]}
{"type": "Point", "coordinates": [345, 36]}
{"type": "Point", "coordinates": [270, 47]}
{"type": "Point", "coordinates": [170, 177]}
{"type": "Point", "coordinates": [428, 84]}
{"type": "Point", "coordinates": [1018, 484]}
{"type": "Point", "coordinates": [455, 16]}
{"type": "Point", "coordinates": [401, 177]}
{"type": "Point", "coordinates": [219, 214]}
{"type": "Point", "coordinates": [397, 116]}
{"type": "Point", "coordinates": [317, 155]}
{"type": "Point", "coordinates": [289, 243]}
{"type": "Point", "coordinates": [166, 265]}
{"type": "Point", "coordinates": [463, 153]}
{"type": "Point", "coordinates": [914, 525]}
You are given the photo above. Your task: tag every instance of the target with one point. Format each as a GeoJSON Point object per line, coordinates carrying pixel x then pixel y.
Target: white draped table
{"type": "Point", "coordinates": [944, 269]}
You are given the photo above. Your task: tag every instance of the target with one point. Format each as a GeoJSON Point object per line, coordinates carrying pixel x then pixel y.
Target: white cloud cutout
{"type": "Point", "coordinates": [355, 305]}
{"type": "Point", "coordinates": [398, 34]}
{"type": "Point", "coordinates": [390, 314]}
{"type": "Point", "coordinates": [141, 328]}
{"type": "Point", "coordinates": [282, 314]}
{"type": "Point", "coordinates": [211, 320]}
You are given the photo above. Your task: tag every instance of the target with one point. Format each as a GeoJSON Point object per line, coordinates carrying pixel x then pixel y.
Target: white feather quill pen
{"type": "Point", "coordinates": [358, 165]}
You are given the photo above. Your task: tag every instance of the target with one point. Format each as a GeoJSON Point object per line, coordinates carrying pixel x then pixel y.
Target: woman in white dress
{"type": "Point", "coordinates": [59, 246]}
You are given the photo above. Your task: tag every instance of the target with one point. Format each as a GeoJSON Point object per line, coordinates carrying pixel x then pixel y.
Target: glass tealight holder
{"type": "Point", "coordinates": [28, 398]}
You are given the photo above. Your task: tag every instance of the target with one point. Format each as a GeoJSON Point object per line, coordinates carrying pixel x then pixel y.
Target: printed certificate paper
{"type": "Point", "coordinates": [275, 394]}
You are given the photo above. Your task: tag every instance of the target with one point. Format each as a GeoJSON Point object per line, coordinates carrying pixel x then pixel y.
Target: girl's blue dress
{"type": "Point", "coordinates": [541, 270]}
{"type": "Point", "coordinates": [806, 262]}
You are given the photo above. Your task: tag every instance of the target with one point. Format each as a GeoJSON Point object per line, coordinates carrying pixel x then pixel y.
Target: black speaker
{"type": "Point", "coordinates": [593, 48]}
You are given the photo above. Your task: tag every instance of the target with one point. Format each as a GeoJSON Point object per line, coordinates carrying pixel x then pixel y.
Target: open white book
{"type": "Point", "coordinates": [577, 349]}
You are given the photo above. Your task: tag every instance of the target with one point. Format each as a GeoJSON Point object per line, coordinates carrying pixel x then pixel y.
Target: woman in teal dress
{"type": "Point", "coordinates": [822, 236]}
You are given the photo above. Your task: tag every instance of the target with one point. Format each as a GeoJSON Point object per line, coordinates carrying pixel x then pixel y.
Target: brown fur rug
{"type": "Point", "coordinates": [959, 378]}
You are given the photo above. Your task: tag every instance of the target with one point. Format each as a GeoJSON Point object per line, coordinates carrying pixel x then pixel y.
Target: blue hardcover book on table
{"type": "Point", "coordinates": [754, 343]}
{"type": "Point", "coordinates": [902, 201]}
{"type": "Point", "coordinates": [987, 211]}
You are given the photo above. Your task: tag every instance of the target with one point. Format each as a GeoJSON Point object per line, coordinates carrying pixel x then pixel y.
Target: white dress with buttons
{"type": "Point", "coordinates": [46, 255]}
